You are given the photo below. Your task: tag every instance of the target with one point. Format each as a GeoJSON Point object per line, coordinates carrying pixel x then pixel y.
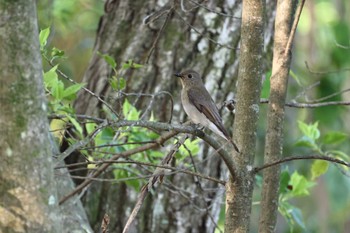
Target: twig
{"type": "Point", "coordinates": [175, 169]}
{"type": "Point", "coordinates": [293, 29]}
{"type": "Point", "coordinates": [104, 166]}
{"type": "Point", "coordinates": [169, 13]}
{"type": "Point", "coordinates": [157, 176]}
{"type": "Point", "coordinates": [80, 144]}
{"type": "Point", "coordinates": [301, 157]}
{"type": "Point", "coordinates": [325, 72]}
{"type": "Point", "coordinates": [299, 105]}
{"type": "Point", "coordinates": [197, 31]}
{"type": "Point", "coordinates": [213, 11]}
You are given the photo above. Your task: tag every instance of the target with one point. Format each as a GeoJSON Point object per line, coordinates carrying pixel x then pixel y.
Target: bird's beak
{"type": "Point", "coordinates": [179, 75]}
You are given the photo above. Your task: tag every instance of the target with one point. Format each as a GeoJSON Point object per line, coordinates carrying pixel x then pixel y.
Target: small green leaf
{"type": "Point", "coordinates": [306, 142]}
{"type": "Point", "coordinates": [110, 60]}
{"type": "Point", "coordinates": [334, 137]}
{"type": "Point", "coordinates": [76, 125]}
{"type": "Point", "coordinates": [57, 90]}
{"type": "Point", "coordinates": [90, 127]}
{"type": "Point", "coordinates": [57, 53]}
{"type": "Point", "coordinates": [72, 89]}
{"type": "Point", "coordinates": [43, 36]}
{"type": "Point", "coordinates": [300, 185]}
{"type": "Point", "coordinates": [131, 64]}
{"type": "Point", "coordinates": [50, 77]}
{"type": "Point", "coordinates": [318, 168]}
{"type": "Point", "coordinates": [130, 112]}
{"type": "Point", "coordinates": [310, 130]}
{"type": "Point", "coordinates": [117, 83]}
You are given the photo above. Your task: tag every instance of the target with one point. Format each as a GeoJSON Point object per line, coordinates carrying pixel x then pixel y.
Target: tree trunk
{"type": "Point", "coordinates": [240, 187]}
{"type": "Point", "coordinates": [274, 135]}
{"type": "Point", "coordinates": [28, 191]}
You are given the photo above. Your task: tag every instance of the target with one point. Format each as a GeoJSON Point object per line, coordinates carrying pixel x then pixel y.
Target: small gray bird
{"type": "Point", "coordinates": [199, 105]}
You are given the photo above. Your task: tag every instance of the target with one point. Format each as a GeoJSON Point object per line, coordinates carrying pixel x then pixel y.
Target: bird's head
{"type": "Point", "coordinates": [189, 78]}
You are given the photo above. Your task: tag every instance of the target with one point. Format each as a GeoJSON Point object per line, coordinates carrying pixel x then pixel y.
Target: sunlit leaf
{"type": "Point", "coordinates": [50, 77]}
{"type": "Point", "coordinates": [300, 184]}
{"type": "Point", "coordinates": [43, 36]}
{"type": "Point", "coordinates": [318, 168]}
{"type": "Point", "coordinates": [110, 60]}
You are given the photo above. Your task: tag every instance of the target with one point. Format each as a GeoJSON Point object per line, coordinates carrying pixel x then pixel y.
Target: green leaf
{"type": "Point", "coordinates": [57, 90]}
{"type": "Point", "coordinates": [90, 127]}
{"type": "Point", "coordinates": [295, 77]}
{"type": "Point", "coordinates": [43, 36]}
{"type": "Point", "coordinates": [57, 53]}
{"type": "Point", "coordinates": [306, 142]}
{"type": "Point", "coordinates": [300, 185]}
{"type": "Point", "coordinates": [117, 83]}
{"type": "Point", "coordinates": [50, 77]}
{"type": "Point", "coordinates": [110, 60]}
{"type": "Point", "coordinates": [130, 112]}
{"type": "Point", "coordinates": [76, 124]}
{"type": "Point", "coordinates": [284, 181]}
{"type": "Point", "coordinates": [335, 137]}
{"type": "Point", "coordinates": [310, 130]}
{"type": "Point", "coordinates": [318, 168]}
{"type": "Point", "coordinates": [72, 89]}
{"type": "Point", "coordinates": [131, 64]}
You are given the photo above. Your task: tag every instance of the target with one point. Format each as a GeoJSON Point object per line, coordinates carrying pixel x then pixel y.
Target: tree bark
{"type": "Point", "coordinates": [27, 192]}
{"type": "Point", "coordinates": [239, 189]}
{"type": "Point", "coordinates": [274, 137]}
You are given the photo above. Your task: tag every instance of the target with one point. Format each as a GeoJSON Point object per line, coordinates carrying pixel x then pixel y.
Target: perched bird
{"type": "Point", "coordinates": [199, 105]}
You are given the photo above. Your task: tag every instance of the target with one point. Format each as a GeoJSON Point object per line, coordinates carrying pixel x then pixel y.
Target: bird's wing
{"type": "Point", "coordinates": [208, 108]}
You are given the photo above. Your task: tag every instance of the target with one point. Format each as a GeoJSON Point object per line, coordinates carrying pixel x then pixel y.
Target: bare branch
{"type": "Point", "coordinates": [213, 11]}
{"type": "Point", "coordinates": [294, 28]}
{"type": "Point", "coordinates": [302, 157]}
{"type": "Point", "coordinates": [200, 33]}
{"type": "Point", "coordinates": [325, 72]}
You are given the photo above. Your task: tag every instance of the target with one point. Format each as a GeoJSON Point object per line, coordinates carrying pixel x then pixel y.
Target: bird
{"type": "Point", "coordinates": [199, 106]}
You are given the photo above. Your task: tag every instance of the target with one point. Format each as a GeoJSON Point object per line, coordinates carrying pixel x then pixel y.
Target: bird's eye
{"type": "Point", "coordinates": [190, 75]}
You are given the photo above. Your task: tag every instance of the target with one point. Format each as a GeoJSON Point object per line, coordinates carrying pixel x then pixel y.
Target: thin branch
{"type": "Point", "coordinates": [157, 176]}
{"type": "Point", "coordinates": [229, 104]}
{"type": "Point", "coordinates": [213, 11]}
{"type": "Point", "coordinates": [104, 166]}
{"type": "Point", "coordinates": [79, 144]}
{"type": "Point", "coordinates": [198, 32]}
{"type": "Point", "coordinates": [169, 13]}
{"type": "Point", "coordinates": [293, 29]}
{"type": "Point", "coordinates": [140, 200]}
{"type": "Point", "coordinates": [325, 72]}
{"type": "Point", "coordinates": [301, 157]}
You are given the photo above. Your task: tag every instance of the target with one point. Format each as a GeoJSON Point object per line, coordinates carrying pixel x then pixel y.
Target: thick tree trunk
{"type": "Point", "coordinates": [28, 190]}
